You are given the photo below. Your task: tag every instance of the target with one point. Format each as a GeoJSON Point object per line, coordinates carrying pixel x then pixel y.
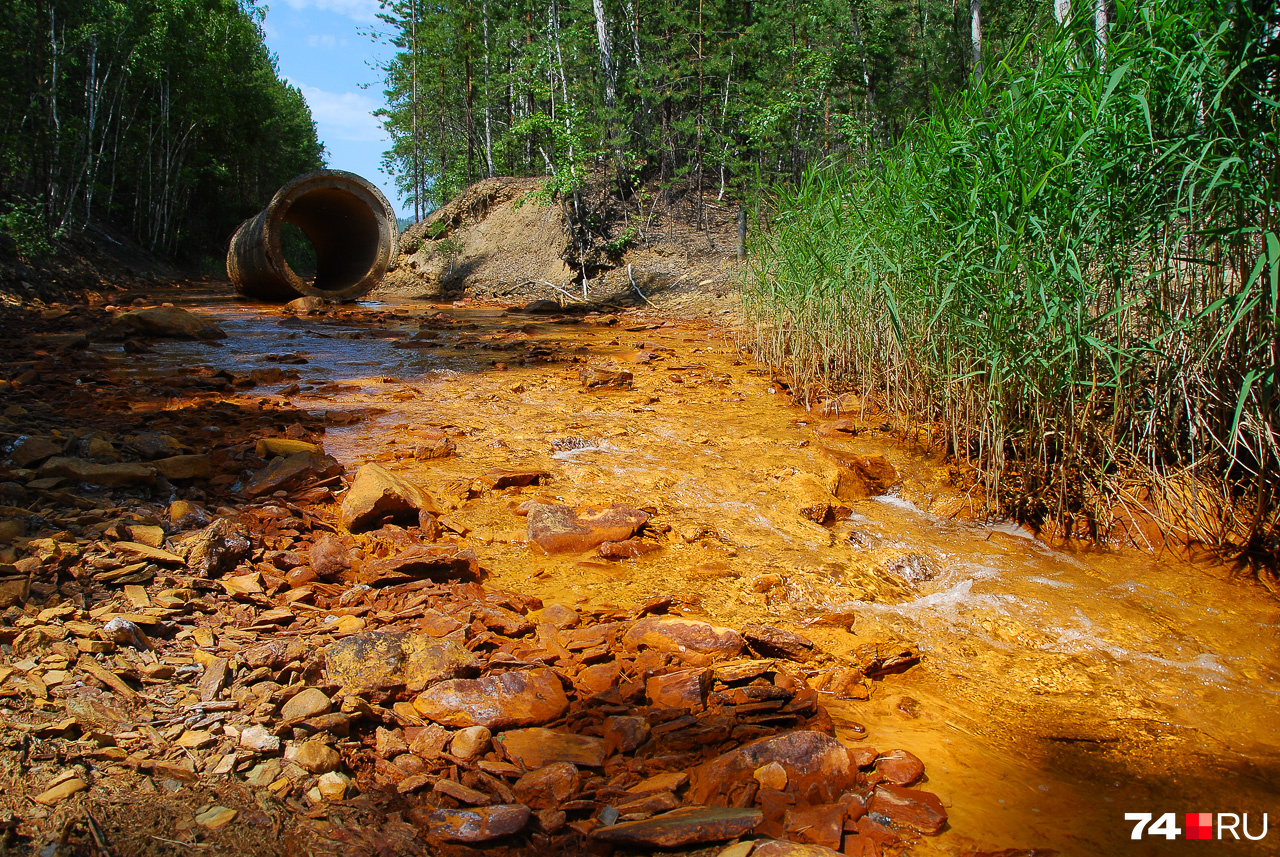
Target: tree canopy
{"type": "Point", "coordinates": [168, 117]}
{"type": "Point", "coordinates": [707, 92]}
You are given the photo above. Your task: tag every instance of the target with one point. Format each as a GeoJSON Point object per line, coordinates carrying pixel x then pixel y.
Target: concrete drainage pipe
{"type": "Point", "coordinates": [349, 223]}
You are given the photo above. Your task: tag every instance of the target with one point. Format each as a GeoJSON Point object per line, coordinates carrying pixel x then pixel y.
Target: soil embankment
{"type": "Point", "coordinates": [498, 239]}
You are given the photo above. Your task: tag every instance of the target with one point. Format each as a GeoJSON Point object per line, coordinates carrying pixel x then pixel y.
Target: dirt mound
{"type": "Point", "coordinates": [495, 233]}
{"type": "Point", "coordinates": [499, 240]}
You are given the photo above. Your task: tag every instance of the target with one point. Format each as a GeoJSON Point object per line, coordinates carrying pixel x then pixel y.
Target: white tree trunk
{"type": "Point", "coordinates": [488, 133]}
{"type": "Point", "coordinates": [975, 36]}
{"type": "Point", "coordinates": [606, 55]}
{"type": "Point", "coordinates": [1100, 30]}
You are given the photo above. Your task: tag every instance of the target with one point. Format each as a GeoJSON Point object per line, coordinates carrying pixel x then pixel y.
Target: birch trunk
{"type": "Point", "coordinates": [1100, 30]}
{"type": "Point", "coordinates": [975, 37]}
{"type": "Point", "coordinates": [606, 55]}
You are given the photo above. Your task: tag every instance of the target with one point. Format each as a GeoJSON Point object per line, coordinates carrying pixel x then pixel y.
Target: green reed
{"type": "Point", "coordinates": [1068, 273]}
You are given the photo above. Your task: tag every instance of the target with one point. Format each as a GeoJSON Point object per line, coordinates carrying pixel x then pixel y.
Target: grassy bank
{"type": "Point", "coordinates": [1070, 273]}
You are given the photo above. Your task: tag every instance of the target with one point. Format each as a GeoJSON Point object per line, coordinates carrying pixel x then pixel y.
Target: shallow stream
{"type": "Point", "coordinates": [1057, 692]}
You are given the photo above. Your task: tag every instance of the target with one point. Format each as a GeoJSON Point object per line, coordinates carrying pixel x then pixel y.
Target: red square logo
{"type": "Point", "coordinates": [1199, 825]}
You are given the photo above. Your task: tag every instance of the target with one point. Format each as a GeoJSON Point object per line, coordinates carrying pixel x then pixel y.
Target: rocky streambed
{"type": "Point", "coordinates": [424, 579]}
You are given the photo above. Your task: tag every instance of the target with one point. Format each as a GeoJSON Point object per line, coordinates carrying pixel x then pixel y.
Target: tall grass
{"type": "Point", "coordinates": [1071, 272]}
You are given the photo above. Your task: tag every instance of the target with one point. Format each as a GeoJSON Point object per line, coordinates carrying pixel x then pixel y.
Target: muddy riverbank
{"type": "Point", "coordinates": [1047, 693]}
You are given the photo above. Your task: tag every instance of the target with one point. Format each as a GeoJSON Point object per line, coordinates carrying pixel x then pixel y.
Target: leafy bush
{"type": "Point", "coordinates": [23, 222]}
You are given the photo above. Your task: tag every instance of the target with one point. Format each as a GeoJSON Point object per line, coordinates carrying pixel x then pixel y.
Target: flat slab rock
{"type": "Point", "coordinates": [478, 824]}
{"type": "Point", "coordinates": [163, 322]}
{"type": "Point", "coordinates": [418, 562]}
{"type": "Point", "coordinates": [377, 493]}
{"type": "Point", "coordinates": [564, 529]}
{"type": "Point", "coordinates": [382, 660]}
{"type": "Point", "coordinates": [292, 472]}
{"type": "Point", "coordinates": [811, 760]}
{"type": "Point", "coordinates": [107, 475]}
{"type": "Point", "coordinates": [912, 808]}
{"type": "Point", "coordinates": [688, 825]}
{"type": "Point", "coordinates": [693, 641]}
{"type": "Point", "coordinates": [501, 701]}
{"type": "Point", "coordinates": [536, 747]}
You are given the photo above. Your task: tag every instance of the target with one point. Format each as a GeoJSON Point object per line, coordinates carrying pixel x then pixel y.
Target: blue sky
{"type": "Point", "coordinates": [324, 48]}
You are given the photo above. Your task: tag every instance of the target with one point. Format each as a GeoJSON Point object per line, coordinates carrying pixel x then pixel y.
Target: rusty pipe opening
{"type": "Point", "coordinates": [349, 223]}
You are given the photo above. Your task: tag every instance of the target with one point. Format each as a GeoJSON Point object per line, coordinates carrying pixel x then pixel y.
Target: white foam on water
{"type": "Point", "coordinates": [572, 455]}
{"type": "Point", "coordinates": [1053, 584]}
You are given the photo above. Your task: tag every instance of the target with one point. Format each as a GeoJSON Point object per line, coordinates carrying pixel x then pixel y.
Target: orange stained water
{"type": "Point", "coordinates": [1058, 691]}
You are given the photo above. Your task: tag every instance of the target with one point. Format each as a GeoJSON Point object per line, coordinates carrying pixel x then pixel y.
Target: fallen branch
{"type": "Point", "coordinates": [568, 295]}
{"type": "Point", "coordinates": [637, 288]}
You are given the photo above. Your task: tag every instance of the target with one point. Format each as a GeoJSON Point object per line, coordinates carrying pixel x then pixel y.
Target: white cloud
{"type": "Point", "coordinates": [325, 41]}
{"type": "Point", "coordinates": [364, 11]}
{"type": "Point", "coordinates": [344, 115]}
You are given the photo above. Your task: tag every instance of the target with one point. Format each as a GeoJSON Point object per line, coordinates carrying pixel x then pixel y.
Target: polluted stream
{"type": "Point", "coordinates": [1056, 691]}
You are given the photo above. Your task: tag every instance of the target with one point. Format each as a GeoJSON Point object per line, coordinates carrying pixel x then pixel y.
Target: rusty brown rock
{"type": "Point", "coordinates": [560, 615]}
{"type": "Point", "coordinates": [29, 451]}
{"type": "Point", "coordinates": [690, 825]}
{"type": "Point", "coordinates": [822, 824]}
{"type": "Point", "coordinates": [377, 661]}
{"type": "Point", "coordinates": [680, 689]}
{"type": "Point", "coordinates": [461, 793]}
{"type": "Point", "coordinates": [420, 562]}
{"type": "Point", "coordinates": [625, 732]}
{"type": "Point", "coordinates": [692, 641]}
{"type": "Point", "coordinates": [295, 471]}
{"type": "Point", "coordinates": [178, 468]}
{"type": "Point", "coordinates": [650, 804]}
{"type": "Point", "coordinates": [214, 550]}
{"type": "Point", "coordinates": [106, 475]}
{"type": "Point", "coordinates": [548, 786]}
{"type": "Point", "coordinates": [598, 678]}
{"type": "Point", "coordinates": [564, 529]}
{"type": "Point", "coordinates": [919, 810]}
{"type": "Point", "coordinates": [776, 642]}
{"type": "Point", "coordinates": [376, 493]}
{"type": "Point", "coordinates": [309, 703]}
{"type": "Point", "coordinates": [481, 824]}
{"type": "Point", "coordinates": [536, 747]}
{"type": "Point", "coordinates": [863, 476]}
{"type": "Point", "coordinates": [329, 556]}
{"type": "Point", "coordinates": [314, 756]}
{"type": "Point", "coordinates": [628, 549]}
{"type": "Point", "coordinates": [499, 701]}
{"type": "Point", "coordinates": [163, 322]}
{"type": "Point", "coordinates": [501, 620]}
{"type": "Point", "coordinates": [434, 448]}
{"type": "Point", "coordinates": [817, 766]}
{"type": "Point", "coordinates": [470, 742]}
{"type": "Point", "coordinates": [597, 377]}
{"type": "Point", "coordinates": [899, 768]}
{"type": "Point", "coordinates": [496, 480]}
{"type": "Point", "coordinates": [216, 674]}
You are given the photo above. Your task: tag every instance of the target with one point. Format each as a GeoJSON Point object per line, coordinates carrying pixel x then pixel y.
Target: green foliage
{"type": "Point", "coordinates": [1072, 269]}
{"type": "Point", "coordinates": [21, 221]}
{"type": "Point", "coordinates": [449, 249]}
{"type": "Point", "coordinates": [615, 248]}
{"type": "Point", "coordinates": [707, 95]}
{"type": "Point", "coordinates": [165, 116]}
